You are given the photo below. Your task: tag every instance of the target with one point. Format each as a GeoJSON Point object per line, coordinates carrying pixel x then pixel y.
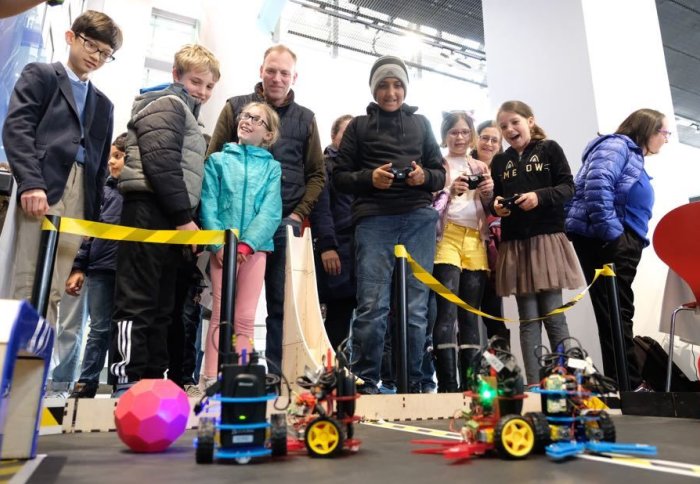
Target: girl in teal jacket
{"type": "Point", "coordinates": [241, 190]}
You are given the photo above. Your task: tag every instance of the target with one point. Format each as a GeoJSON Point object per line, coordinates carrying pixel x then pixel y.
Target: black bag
{"type": "Point", "coordinates": [653, 361]}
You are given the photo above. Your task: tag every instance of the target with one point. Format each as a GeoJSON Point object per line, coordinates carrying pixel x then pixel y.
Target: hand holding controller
{"type": "Point", "coordinates": [509, 203]}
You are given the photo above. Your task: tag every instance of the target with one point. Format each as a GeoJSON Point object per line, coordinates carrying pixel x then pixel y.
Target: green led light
{"type": "Point", "coordinates": [242, 417]}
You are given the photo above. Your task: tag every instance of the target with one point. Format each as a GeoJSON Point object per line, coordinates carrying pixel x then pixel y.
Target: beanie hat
{"type": "Point", "coordinates": [387, 66]}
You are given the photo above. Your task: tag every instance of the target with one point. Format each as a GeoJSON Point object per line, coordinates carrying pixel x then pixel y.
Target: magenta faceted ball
{"type": "Point", "coordinates": [151, 415]}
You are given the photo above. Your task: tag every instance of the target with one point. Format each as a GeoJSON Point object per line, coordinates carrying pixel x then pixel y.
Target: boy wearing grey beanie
{"type": "Point", "coordinates": [390, 161]}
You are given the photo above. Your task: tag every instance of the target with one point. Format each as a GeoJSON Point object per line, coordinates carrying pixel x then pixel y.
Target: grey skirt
{"type": "Point", "coordinates": [540, 263]}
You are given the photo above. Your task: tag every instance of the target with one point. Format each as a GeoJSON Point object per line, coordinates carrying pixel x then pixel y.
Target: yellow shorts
{"type": "Point", "coordinates": [462, 247]}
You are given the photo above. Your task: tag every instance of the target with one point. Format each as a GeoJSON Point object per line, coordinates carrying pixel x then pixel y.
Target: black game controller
{"type": "Point", "coordinates": [473, 180]}
{"type": "Point", "coordinates": [400, 174]}
{"type": "Point", "coordinates": [509, 203]}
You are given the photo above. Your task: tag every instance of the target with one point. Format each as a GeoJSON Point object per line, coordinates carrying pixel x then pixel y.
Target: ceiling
{"type": "Point", "coordinates": [457, 20]}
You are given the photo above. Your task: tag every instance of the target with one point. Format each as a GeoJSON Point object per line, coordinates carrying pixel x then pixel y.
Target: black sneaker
{"type": "Point", "coordinates": [84, 389]}
{"type": "Point", "coordinates": [643, 388]}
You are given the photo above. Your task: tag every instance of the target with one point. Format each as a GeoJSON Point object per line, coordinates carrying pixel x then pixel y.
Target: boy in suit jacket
{"type": "Point", "coordinates": [57, 136]}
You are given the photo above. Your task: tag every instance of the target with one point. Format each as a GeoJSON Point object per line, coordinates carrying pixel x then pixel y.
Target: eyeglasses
{"type": "Point", "coordinates": [92, 47]}
{"type": "Point", "coordinates": [456, 132]}
{"type": "Point", "coordinates": [256, 120]}
{"type": "Point", "coordinates": [667, 134]}
{"type": "Point", "coordinates": [489, 139]}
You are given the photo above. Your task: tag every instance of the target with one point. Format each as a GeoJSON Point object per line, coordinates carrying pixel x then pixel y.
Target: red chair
{"type": "Point", "coordinates": [676, 243]}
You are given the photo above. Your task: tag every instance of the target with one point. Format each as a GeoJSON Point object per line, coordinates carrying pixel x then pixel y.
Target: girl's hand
{"type": "Point", "coordinates": [241, 258]}
{"type": "Point", "coordinates": [486, 186]}
{"type": "Point", "coordinates": [458, 187]}
{"type": "Point", "coordinates": [528, 201]}
{"type": "Point", "coordinates": [499, 209]}
{"type": "Point", "coordinates": [220, 256]}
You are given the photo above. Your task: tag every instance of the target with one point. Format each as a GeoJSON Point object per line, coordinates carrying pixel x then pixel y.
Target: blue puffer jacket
{"type": "Point", "coordinates": [612, 164]}
{"type": "Point", "coordinates": [241, 190]}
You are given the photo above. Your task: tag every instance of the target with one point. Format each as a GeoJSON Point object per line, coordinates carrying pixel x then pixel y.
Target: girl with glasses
{"type": "Point", "coordinates": [241, 190]}
{"type": "Point", "coordinates": [460, 257]}
{"type": "Point", "coordinates": [488, 145]}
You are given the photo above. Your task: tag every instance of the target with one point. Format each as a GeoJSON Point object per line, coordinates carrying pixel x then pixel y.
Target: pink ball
{"type": "Point", "coordinates": [151, 415]}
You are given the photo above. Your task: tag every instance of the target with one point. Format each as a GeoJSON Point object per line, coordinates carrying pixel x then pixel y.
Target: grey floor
{"type": "Point", "coordinates": [385, 457]}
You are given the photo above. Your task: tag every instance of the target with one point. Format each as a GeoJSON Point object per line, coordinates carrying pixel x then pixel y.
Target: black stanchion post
{"type": "Point", "coordinates": [400, 343]}
{"type": "Point", "coordinates": [228, 299]}
{"type": "Point", "coordinates": [48, 246]}
{"type": "Point", "coordinates": [622, 369]}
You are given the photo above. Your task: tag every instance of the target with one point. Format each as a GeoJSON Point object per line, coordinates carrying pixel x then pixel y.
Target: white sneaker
{"type": "Point", "coordinates": [57, 394]}
{"type": "Point", "coordinates": [193, 391]}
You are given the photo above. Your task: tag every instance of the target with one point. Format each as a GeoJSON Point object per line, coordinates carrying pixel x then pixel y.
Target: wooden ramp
{"type": "Point", "coordinates": [304, 343]}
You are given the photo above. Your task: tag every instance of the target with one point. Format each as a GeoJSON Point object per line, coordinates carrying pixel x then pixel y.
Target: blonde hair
{"type": "Point", "coordinates": [273, 121]}
{"type": "Point", "coordinates": [195, 57]}
{"type": "Point", "coordinates": [519, 107]}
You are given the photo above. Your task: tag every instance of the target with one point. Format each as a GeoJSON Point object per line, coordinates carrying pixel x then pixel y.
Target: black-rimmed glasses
{"type": "Point", "coordinates": [256, 120]}
{"type": "Point", "coordinates": [91, 47]}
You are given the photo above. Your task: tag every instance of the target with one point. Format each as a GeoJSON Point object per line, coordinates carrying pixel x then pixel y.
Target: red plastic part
{"type": "Point", "coordinates": [152, 415]}
{"type": "Point", "coordinates": [675, 242]}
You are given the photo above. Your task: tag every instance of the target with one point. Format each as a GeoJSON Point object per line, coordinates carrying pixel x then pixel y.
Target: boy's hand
{"type": "Point", "coordinates": [382, 177]}
{"type": "Point", "coordinates": [417, 177]}
{"type": "Point", "coordinates": [34, 202]}
{"type": "Point", "coordinates": [74, 283]}
{"type": "Point", "coordinates": [189, 226]}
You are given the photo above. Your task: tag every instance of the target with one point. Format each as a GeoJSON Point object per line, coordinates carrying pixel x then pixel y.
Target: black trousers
{"type": "Point", "coordinates": [182, 332]}
{"type": "Point", "coordinates": [492, 304]}
{"type": "Point", "coordinates": [625, 253]}
{"type": "Point", "coordinates": [144, 296]}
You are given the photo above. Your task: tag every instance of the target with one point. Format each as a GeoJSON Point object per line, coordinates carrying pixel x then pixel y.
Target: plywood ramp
{"type": "Point", "coordinates": [304, 342]}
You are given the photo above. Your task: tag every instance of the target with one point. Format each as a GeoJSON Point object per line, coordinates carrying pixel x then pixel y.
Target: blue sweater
{"type": "Point", "coordinates": [242, 190]}
{"type": "Point", "coordinates": [612, 166]}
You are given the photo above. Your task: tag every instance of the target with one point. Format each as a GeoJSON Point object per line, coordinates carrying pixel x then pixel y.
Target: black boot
{"type": "Point", "coordinates": [446, 370]}
{"type": "Point", "coordinates": [467, 365]}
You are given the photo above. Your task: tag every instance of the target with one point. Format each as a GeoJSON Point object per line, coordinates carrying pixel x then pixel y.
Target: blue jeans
{"type": "Point", "coordinates": [101, 304]}
{"type": "Point", "coordinates": [69, 339]}
{"type": "Point", "coordinates": [531, 306]}
{"type": "Point", "coordinates": [375, 238]}
{"type": "Point", "coordinates": [274, 293]}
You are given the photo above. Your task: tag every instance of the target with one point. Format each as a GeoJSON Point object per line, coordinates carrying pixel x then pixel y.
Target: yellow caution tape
{"type": "Point", "coordinates": [118, 232]}
{"type": "Point", "coordinates": [434, 285]}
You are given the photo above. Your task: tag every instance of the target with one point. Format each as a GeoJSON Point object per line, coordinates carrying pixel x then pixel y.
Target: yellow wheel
{"type": "Point", "coordinates": [323, 438]}
{"type": "Point", "coordinates": [514, 437]}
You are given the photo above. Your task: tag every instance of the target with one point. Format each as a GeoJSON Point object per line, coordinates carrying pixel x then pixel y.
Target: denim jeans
{"type": "Point", "coordinates": [531, 306]}
{"type": "Point", "coordinates": [101, 305]}
{"type": "Point", "coordinates": [69, 339]}
{"type": "Point", "coordinates": [274, 293]}
{"type": "Point", "coordinates": [375, 237]}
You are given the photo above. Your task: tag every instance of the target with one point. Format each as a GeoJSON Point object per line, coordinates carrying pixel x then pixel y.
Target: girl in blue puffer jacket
{"type": "Point", "coordinates": [241, 190]}
{"type": "Point", "coordinates": [608, 220]}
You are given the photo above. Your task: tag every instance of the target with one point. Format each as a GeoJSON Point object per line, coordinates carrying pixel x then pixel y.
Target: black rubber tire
{"type": "Point", "coordinates": [345, 388]}
{"type": "Point", "coordinates": [501, 443]}
{"type": "Point", "coordinates": [607, 426]}
{"type": "Point", "coordinates": [309, 437]}
{"type": "Point", "coordinates": [540, 426]}
{"type": "Point", "coordinates": [278, 434]}
{"type": "Point", "coordinates": [204, 453]}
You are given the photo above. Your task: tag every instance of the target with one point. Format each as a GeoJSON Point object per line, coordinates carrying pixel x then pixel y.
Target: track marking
{"type": "Point", "coordinates": [657, 465]}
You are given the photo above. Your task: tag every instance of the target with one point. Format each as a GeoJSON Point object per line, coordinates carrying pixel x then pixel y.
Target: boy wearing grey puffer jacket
{"type": "Point", "coordinates": [161, 183]}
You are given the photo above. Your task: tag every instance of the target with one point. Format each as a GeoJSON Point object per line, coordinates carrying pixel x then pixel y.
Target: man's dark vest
{"type": "Point", "coordinates": [289, 150]}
